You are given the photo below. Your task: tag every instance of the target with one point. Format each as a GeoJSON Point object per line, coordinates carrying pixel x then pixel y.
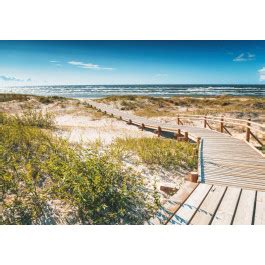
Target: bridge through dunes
{"type": "Point", "coordinates": [233, 167]}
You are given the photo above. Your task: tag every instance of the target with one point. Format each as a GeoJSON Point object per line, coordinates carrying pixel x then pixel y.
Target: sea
{"type": "Point", "coordinates": [99, 91]}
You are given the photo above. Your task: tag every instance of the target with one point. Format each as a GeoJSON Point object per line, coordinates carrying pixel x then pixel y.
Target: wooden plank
{"type": "Point", "coordinates": [245, 209]}
{"type": "Point", "coordinates": [225, 212]}
{"type": "Point", "coordinates": [189, 208]}
{"type": "Point", "coordinates": [255, 179]}
{"type": "Point", "coordinates": [233, 184]}
{"type": "Point", "coordinates": [174, 203]}
{"type": "Point", "coordinates": [206, 211]}
{"type": "Point", "coordinates": [260, 209]}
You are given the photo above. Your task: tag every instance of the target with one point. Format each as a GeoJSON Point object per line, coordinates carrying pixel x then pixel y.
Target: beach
{"type": "Point", "coordinates": [79, 124]}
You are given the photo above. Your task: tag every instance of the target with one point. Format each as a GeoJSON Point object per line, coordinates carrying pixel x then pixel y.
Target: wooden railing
{"type": "Point", "coordinates": [251, 127]}
{"type": "Point", "coordinates": [184, 134]}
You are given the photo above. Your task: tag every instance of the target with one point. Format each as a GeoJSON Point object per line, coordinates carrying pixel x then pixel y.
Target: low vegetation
{"type": "Point", "coordinates": [29, 117]}
{"type": "Point", "coordinates": [166, 153]}
{"type": "Point", "coordinates": [45, 180]}
{"type": "Point", "coordinates": [10, 97]}
{"type": "Point", "coordinates": [155, 106]}
{"type": "Point", "coordinates": [51, 99]}
{"type": "Point", "coordinates": [5, 97]}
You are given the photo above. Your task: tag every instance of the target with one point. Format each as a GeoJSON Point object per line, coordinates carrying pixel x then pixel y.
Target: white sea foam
{"type": "Point", "coordinates": [94, 91]}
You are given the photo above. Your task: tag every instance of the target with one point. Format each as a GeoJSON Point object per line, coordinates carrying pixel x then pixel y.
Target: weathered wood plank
{"type": "Point", "coordinates": [226, 210]}
{"type": "Point", "coordinates": [232, 184]}
{"type": "Point", "coordinates": [189, 208]}
{"type": "Point", "coordinates": [260, 209]}
{"type": "Point", "coordinates": [206, 211]}
{"type": "Point", "coordinates": [174, 203]}
{"type": "Point", "coordinates": [245, 209]}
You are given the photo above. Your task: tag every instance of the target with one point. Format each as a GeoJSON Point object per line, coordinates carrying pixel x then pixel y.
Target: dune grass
{"type": "Point", "coordinates": [156, 106]}
{"type": "Point", "coordinates": [166, 153]}
{"type": "Point", "coordinates": [29, 117]}
{"type": "Point", "coordinates": [5, 97]}
{"type": "Point", "coordinates": [50, 99]}
{"type": "Point", "coordinates": [9, 97]}
{"type": "Point", "coordinates": [37, 168]}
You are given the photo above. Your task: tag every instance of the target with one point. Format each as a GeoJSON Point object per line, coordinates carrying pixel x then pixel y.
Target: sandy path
{"type": "Point", "coordinates": [85, 128]}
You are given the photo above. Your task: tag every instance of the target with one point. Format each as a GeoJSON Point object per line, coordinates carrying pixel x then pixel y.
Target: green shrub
{"type": "Point", "coordinates": [36, 118]}
{"type": "Point", "coordinates": [50, 99]}
{"type": "Point", "coordinates": [37, 168]}
{"type": "Point", "coordinates": [10, 97]}
{"type": "Point", "coordinates": [167, 153]}
{"type": "Point", "coordinates": [29, 118]}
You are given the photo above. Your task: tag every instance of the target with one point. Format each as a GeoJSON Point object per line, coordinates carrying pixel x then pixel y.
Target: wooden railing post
{"type": "Point", "coordinates": [198, 141]}
{"type": "Point", "coordinates": [159, 131]}
{"type": "Point", "coordinates": [222, 125]}
{"type": "Point", "coordinates": [178, 134]}
{"type": "Point", "coordinates": [142, 126]}
{"type": "Point", "coordinates": [248, 131]}
{"type": "Point", "coordinates": [178, 120]}
{"type": "Point", "coordinates": [193, 176]}
{"type": "Point", "coordinates": [205, 121]}
{"type": "Point", "coordinates": [186, 136]}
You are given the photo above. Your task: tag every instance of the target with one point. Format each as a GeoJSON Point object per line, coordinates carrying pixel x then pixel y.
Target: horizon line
{"type": "Point", "coordinates": [151, 84]}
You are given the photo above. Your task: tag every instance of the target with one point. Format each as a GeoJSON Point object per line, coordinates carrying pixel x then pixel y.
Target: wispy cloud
{"type": "Point", "coordinates": [161, 75]}
{"type": "Point", "coordinates": [13, 79]}
{"type": "Point", "coordinates": [89, 66]}
{"type": "Point", "coordinates": [244, 57]}
{"type": "Point", "coordinates": [262, 74]}
{"type": "Point", "coordinates": [56, 63]}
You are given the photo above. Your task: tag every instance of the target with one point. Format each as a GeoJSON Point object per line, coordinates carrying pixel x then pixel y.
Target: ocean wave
{"type": "Point", "coordinates": [97, 91]}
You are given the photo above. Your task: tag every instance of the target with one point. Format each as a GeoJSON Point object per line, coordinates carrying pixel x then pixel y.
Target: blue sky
{"type": "Point", "coordinates": [131, 62]}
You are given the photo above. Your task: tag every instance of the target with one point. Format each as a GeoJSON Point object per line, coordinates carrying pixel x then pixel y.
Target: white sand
{"type": "Point", "coordinates": [84, 128]}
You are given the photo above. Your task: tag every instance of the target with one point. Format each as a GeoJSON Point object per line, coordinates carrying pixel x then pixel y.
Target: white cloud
{"type": "Point", "coordinates": [56, 63]}
{"type": "Point", "coordinates": [161, 75]}
{"type": "Point", "coordinates": [89, 66]}
{"type": "Point", "coordinates": [262, 74]}
{"type": "Point", "coordinates": [251, 55]}
{"type": "Point", "coordinates": [13, 79]}
{"type": "Point", "coordinates": [244, 57]}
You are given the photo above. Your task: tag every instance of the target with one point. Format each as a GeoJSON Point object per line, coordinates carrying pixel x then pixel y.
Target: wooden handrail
{"type": "Point", "coordinates": [210, 117]}
{"type": "Point", "coordinates": [230, 123]}
{"type": "Point", "coordinates": [248, 124]}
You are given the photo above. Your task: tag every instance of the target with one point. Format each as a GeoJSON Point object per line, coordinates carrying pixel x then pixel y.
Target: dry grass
{"type": "Point", "coordinates": [10, 97]}
{"type": "Point", "coordinates": [5, 97]}
{"type": "Point", "coordinates": [153, 107]}
{"type": "Point", "coordinates": [166, 153]}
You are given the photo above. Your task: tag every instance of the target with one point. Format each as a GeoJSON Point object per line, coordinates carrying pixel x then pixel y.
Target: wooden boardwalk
{"type": "Point", "coordinates": [223, 159]}
{"type": "Point", "coordinates": [205, 204]}
{"type": "Point", "coordinates": [231, 184]}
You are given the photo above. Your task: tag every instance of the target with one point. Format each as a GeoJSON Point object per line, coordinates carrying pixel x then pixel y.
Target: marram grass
{"type": "Point", "coordinates": [37, 169]}
{"type": "Point", "coordinates": [167, 153]}
{"type": "Point", "coordinates": [90, 184]}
